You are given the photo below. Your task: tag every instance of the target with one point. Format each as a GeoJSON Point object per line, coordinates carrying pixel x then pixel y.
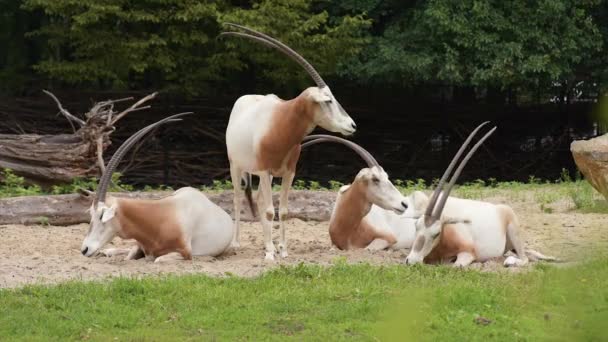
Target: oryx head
{"type": "Point", "coordinates": [104, 226]}
{"type": "Point", "coordinates": [430, 224]}
{"type": "Point", "coordinates": [328, 113]}
{"type": "Point", "coordinates": [378, 188]}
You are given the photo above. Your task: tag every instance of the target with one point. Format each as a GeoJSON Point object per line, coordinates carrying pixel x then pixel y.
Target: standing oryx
{"type": "Point", "coordinates": [264, 134]}
{"type": "Point", "coordinates": [485, 230]}
{"type": "Point", "coordinates": [183, 224]}
{"type": "Point", "coordinates": [369, 212]}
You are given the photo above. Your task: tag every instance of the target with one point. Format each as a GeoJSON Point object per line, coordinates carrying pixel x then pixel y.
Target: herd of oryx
{"type": "Point", "coordinates": [264, 137]}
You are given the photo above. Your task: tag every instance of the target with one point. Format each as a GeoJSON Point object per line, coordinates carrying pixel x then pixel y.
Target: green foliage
{"type": "Point", "coordinates": [495, 44]}
{"type": "Point", "coordinates": [43, 221]}
{"type": "Point", "coordinates": [586, 199]}
{"type": "Point", "coordinates": [13, 185]}
{"type": "Point", "coordinates": [77, 183]}
{"type": "Point", "coordinates": [173, 43]}
{"type": "Point", "coordinates": [311, 302]}
{"type": "Point", "coordinates": [335, 185]}
{"type": "Point", "coordinates": [323, 42]}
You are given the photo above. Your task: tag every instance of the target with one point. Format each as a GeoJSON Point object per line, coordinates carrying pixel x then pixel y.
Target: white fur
{"type": "Point", "coordinates": [207, 228]}
{"type": "Point", "coordinates": [482, 226]}
{"type": "Point", "coordinates": [250, 120]}
{"type": "Point", "coordinates": [385, 209]}
{"type": "Point", "coordinates": [402, 227]}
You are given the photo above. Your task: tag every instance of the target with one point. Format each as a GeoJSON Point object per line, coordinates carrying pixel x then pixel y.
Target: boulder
{"type": "Point", "coordinates": [591, 158]}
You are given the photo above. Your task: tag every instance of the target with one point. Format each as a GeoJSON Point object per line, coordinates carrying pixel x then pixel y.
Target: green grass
{"type": "Point", "coordinates": [341, 302]}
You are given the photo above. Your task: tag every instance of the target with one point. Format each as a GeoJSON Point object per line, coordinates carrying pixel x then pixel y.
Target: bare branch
{"type": "Point", "coordinates": [63, 110]}
{"type": "Point", "coordinates": [134, 107]}
{"type": "Point", "coordinates": [102, 166]}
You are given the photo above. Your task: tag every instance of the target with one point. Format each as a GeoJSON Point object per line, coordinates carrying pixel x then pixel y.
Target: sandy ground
{"type": "Point", "coordinates": [49, 254]}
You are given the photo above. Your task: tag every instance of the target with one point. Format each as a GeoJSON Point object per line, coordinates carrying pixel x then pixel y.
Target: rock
{"type": "Point", "coordinates": [591, 158]}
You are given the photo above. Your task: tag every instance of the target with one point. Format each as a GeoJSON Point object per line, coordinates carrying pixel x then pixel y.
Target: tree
{"type": "Point", "coordinates": [484, 43]}
{"type": "Point", "coordinates": [133, 44]}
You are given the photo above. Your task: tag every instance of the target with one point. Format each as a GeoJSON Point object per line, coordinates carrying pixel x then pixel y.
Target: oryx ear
{"type": "Point", "coordinates": [421, 200]}
{"type": "Point", "coordinates": [317, 95]}
{"type": "Point", "coordinates": [108, 213]}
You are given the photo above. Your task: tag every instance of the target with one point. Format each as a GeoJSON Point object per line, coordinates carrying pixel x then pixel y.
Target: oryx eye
{"type": "Point", "coordinates": [375, 180]}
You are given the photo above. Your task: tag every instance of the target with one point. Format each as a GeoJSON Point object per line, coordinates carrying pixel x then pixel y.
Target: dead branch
{"type": "Point", "coordinates": [57, 158]}
{"type": "Point", "coordinates": [134, 107]}
{"type": "Point", "coordinates": [63, 111]}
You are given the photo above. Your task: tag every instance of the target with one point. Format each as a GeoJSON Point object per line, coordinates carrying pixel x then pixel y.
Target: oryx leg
{"type": "Point", "coordinates": [535, 256]}
{"type": "Point", "coordinates": [514, 241]}
{"type": "Point", "coordinates": [267, 216]}
{"type": "Point", "coordinates": [135, 253]}
{"type": "Point", "coordinates": [382, 240]}
{"type": "Point", "coordinates": [464, 259]}
{"type": "Point", "coordinates": [378, 245]}
{"type": "Point", "coordinates": [235, 175]}
{"type": "Point", "coordinates": [110, 252]}
{"type": "Point", "coordinates": [284, 208]}
{"type": "Point", "coordinates": [173, 256]}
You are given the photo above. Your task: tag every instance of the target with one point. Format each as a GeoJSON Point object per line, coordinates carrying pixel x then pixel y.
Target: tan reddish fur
{"type": "Point", "coordinates": [348, 229]}
{"type": "Point", "coordinates": [153, 224]}
{"type": "Point", "coordinates": [507, 216]}
{"type": "Point", "coordinates": [449, 246]}
{"type": "Point", "coordinates": [279, 148]}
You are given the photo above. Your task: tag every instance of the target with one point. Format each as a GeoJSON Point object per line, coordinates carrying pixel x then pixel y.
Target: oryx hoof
{"type": "Point", "coordinates": [269, 256]}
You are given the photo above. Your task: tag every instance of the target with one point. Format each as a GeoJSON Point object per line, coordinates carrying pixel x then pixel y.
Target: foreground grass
{"type": "Point", "coordinates": [342, 302]}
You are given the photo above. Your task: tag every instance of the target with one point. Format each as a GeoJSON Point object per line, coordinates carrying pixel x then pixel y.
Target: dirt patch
{"type": "Point", "coordinates": [50, 254]}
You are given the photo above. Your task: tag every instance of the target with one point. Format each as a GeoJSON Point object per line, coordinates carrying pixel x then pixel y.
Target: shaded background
{"type": "Point", "coordinates": [416, 76]}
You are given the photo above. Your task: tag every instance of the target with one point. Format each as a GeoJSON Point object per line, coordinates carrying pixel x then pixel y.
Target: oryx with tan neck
{"type": "Point", "coordinates": [486, 230]}
{"type": "Point", "coordinates": [176, 227]}
{"type": "Point", "coordinates": [264, 134]}
{"type": "Point", "coordinates": [368, 212]}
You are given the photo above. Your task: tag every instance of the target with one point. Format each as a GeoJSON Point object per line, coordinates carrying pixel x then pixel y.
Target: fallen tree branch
{"type": "Point", "coordinates": [59, 158]}
{"type": "Point", "coordinates": [72, 209]}
{"type": "Point", "coordinates": [64, 111]}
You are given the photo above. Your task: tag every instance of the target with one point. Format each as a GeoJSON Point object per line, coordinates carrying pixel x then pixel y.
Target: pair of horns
{"type": "Point", "coordinates": [433, 213]}
{"type": "Point", "coordinates": [319, 138]}
{"type": "Point", "coordinates": [104, 182]}
{"type": "Point", "coordinates": [272, 42]}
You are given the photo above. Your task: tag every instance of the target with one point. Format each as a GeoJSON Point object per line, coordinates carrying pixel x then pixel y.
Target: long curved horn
{"type": "Point", "coordinates": [318, 138]}
{"type": "Point", "coordinates": [123, 149]}
{"type": "Point", "coordinates": [281, 47]}
{"type": "Point", "coordinates": [448, 171]}
{"type": "Point", "coordinates": [446, 193]}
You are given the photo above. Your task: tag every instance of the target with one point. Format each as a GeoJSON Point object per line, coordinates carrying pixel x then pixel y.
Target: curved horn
{"type": "Point", "coordinates": [122, 150]}
{"type": "Point", "coordinates": [448, 171]}
{"type": "Point", "coordinates": [318, 138]}
{"type": "Point", "coordinates": [281, 47]}
{"type": "Point", "coordinates": [446, 193]}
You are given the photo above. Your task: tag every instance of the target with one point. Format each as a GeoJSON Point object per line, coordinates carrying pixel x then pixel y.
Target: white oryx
{"type": "Point", "coordinates": [369, 212]}
{"type": "Point", "coordinates": [485, 230]}
{"type": "Point", "coordinates": [176, 227]}
{"type": "Point", "coordinates": [264, 134]}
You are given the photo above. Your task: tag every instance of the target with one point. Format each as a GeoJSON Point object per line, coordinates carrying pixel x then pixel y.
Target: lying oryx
{"type": "Point", "coordinates": [369, 212]}
{"type": "Point", "coordinates": [176, 227]}
{"type": "Point", "coordinates": [486, 230]}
